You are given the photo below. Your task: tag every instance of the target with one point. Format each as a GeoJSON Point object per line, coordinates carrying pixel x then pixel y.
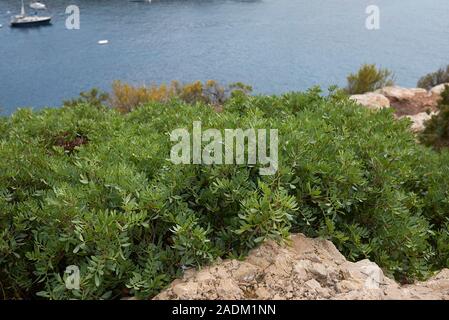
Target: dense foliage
{"type": "Point", "coordinates": [125, 97]}
{"type": "Point", "coordinates": [436, 132]}
{"type": "Point", "coordinates": [369, 78]}
{"type": "Point", "coordinates": [93, 97]}
{"type": "Point", "coordinates": [435, 78]}
{"type": "Point", "coordinates": [92, 187]}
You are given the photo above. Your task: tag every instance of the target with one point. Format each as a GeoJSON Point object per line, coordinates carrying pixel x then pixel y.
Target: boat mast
{"type": "Point", "coordinates": [22, 11]}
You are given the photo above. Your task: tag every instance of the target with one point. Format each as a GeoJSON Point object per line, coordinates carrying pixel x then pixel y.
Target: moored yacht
{"type": "Point", "coordinates": [23, 20]}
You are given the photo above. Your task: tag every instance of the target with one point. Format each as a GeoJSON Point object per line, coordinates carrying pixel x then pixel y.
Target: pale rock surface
{"type": "Point", "coordinates": [400, 93]}
{"type": "Point", "coordinates": [417, 104]}
{"type": "Point", "coordinates": [407, 101]}
{"type": "Point", "coordinates": [371, 100]}
{"type": "Point", "coordinates": [304, 269]}
{"type": "Point", "coordinates": [419, 119]}
{"type": "Point", "coordinates": [438, 90]}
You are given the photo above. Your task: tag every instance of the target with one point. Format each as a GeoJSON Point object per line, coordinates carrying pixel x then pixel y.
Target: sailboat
{"type": "Point", "coordinates": [23, 20]}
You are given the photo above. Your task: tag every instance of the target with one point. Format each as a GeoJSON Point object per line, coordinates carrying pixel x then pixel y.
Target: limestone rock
{"type": "Point", "coordinates": [263, 293]}
{"type": "Point", "coordinates": [304, 269]}
{"type": "Point", "coordinates": [409, 101]}
{"type": "Point", "coordinates": [418, 120]}
{"type": "Point", "coordinates": [438, 90]}
{"type": "Point", "coordinates": [186, 289]}
{"type": "Point", "coordinates": [371, 100]}
{"type": "Point", "coordinates": [400, 93]}
{"type": "Point", "coordinates": [312, 284]}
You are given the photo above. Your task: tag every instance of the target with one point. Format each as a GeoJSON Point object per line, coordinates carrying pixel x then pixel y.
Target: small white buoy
{"type": "Point", "coordinates": [1, 26]}
{"type": "Point", "coordinates": [103, 42]}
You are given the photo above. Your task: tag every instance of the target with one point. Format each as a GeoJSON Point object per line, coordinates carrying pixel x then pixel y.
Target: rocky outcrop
{"type": "Point", "coordinates": [372, 100]}
{"type": "Point", "coordinates": [399, 93]}
{"type": "Point", "coordinates": [305, 269]}
{"type": "Point", "coordinates": [438, 90]}
{"type": "Point", "coordinates": [416, 104]}
{"type": "Point", "coordinates": [418, 120]}
{"type": "Point", "coordinates": [409, 101]}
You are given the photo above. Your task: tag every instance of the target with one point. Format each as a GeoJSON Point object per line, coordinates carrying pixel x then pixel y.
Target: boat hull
{"type": "Point", "coordinates": [28, 24]}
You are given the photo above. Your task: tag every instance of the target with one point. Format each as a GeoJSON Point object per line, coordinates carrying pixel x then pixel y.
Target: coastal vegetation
{"type": "Point", "coordinates": [90, 185]}
{"type": "Point", "coordinates": [435, 78]}
{"type": "Point", "coordinates": [126, 97]}
{"type": "Point", "coordinates": [369, 78]}
{"type": "Point", "coordinates": [436, 132]}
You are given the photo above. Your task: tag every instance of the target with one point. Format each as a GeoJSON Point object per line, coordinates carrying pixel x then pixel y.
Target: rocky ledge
{"type": "Point", "coordinates": [304, 269]}
{"type": "Point", "coordinates": [416, 104]}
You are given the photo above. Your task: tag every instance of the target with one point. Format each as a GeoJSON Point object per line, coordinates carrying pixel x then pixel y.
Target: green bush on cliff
{"type": "Point", "coordinates": [93, 188]}
{"type": "Point", "coordinates": [435, 78]}
{"type": "Point", "coordinates": [125, 97]}
{"type": "Point", "coordinates": [369, 78]}
{"type": "Point", "coordinates": [436, 132]}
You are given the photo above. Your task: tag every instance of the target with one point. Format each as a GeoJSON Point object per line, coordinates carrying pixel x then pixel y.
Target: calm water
{"type": "Point", "coordinates": [274, 45]}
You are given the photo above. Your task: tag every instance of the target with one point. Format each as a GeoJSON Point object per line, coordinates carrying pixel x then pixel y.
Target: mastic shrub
{"type": "Point", "coordinates": [435, 78]}
{"type": "Point", "coordinates": [93, 97]}
{"type": "Point", "coordinates": [368, 78]}
{"type": "Point", "coordinates": [436, 131]}
{"type": "Point", "coordinates": [92, 187]}
{"type": "Point", "coordinates": [126, 97]}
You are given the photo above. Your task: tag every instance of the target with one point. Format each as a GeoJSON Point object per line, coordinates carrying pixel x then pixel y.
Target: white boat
{"type": "Point", "coordinates": [37, 6]}
{"type": "Point", "coordinates": [23, 20]}
{"type": "Point", "coordinates": [103, 42]}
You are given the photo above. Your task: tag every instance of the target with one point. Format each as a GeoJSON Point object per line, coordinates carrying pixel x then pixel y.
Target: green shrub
{"type": "Point", "coordinates": [132, 221]}
{"type": "Point", "coordinates": [436, 131]}
{"type": "Point", "coordinates": [433, 79]}
{"type": "Point", "coordinates": [125, 97]}
{"type": "Point", "coordinates": [369, 78]}
{"type": "Point", "coordinates": [94, 97]}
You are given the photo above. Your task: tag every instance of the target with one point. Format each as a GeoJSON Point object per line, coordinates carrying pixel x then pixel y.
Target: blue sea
{"type": "Point", "coordinates": [274, 45]}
